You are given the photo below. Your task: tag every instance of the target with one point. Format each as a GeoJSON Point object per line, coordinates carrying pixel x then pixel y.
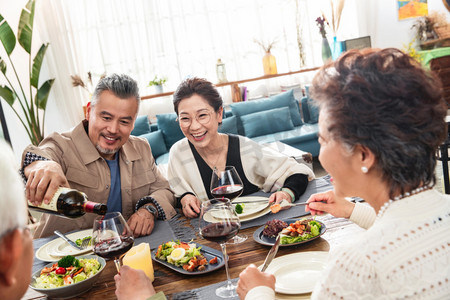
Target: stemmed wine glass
{"type": "Point", "coordinates": [226, 184]}
{"type": "Point", "coordinates": [112, 237]}
{"type": "Point", "coordinates": [218, 223]}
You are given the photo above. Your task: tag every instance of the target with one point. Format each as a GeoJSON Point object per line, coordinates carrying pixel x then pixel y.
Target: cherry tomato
{"type": "Point", "coordinates": [60, 271]}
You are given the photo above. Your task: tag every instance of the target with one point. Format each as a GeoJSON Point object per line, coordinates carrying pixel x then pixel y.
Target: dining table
{"type": "Point", "coordinates": [176, 285]}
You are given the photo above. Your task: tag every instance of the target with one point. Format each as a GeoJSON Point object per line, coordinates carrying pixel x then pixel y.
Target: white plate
{"type": "Point", "coordinates": [251, 208]}
{"type": "Point", "coordinates": [57, 248]}
{"type": "Point", "coordinates": [217, 216]}
{"type": "Point", "coordinates": [297, 273]}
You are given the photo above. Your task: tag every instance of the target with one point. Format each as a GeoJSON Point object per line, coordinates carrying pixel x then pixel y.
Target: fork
{"type": "Point", "coordinates": [85, 243]}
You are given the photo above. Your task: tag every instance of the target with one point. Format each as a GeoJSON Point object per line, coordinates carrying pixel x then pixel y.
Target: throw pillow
{"type": "Point", "coordinates": [141, 126]}
{"type": "Point", "coordinates": [170, 128]}
{"type": "Point", "coordinates": [229, 125]}
{"type": "Point", "coordinates": [267, 122]}
{"type": "Point", "coordinates": [156, 141]}
{"type": "Point", "coordinates": [285, 99]}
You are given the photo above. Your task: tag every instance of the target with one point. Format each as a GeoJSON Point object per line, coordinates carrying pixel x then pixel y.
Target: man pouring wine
{"type": "Point", "coordinates": [99, 158]}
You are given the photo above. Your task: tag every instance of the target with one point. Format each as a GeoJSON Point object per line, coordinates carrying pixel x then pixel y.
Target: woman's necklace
{"type": "Point", "coordinates": [407, 194]}
{"type": "Point", "coordinates": [214, 165]}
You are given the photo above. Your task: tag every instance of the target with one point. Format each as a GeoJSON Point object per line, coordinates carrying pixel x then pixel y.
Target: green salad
{"type": "Point", "coordinates": [301, 230]}
{"type": "Point", "coordinates": [68, 270]}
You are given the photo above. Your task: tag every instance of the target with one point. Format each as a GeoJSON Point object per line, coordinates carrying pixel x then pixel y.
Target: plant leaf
{"type": "Point", "coordinates": [2, 66]}
{"type": "Point", "coordinates": [42, 94]}
{"type": "Point", "coordinates": [37, 63]}
{"type": "Point", "coordinates": [7, 36]}
{"type": "Point", "coordinates": [7, 94]}
{"type": "Point", "coordinates": [25, 31]}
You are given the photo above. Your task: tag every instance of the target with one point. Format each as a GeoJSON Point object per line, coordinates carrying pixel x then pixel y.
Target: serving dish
{"type": "Point", "coordinates": [207, 252]}
{"type": "Point", "coordinates": [72, 290]}
{"type": "Point", "coordinates": [269, 241]}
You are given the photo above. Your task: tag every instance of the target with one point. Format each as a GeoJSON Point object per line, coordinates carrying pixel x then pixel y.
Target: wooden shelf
{"type": "Point", "coordinates": [235, 83]}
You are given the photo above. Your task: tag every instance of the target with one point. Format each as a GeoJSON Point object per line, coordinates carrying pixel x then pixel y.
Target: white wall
{"type": "Point", "coordinates": [377, 18]}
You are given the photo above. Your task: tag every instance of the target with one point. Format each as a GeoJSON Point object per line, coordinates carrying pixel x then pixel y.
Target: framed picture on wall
{"type": "Point", "coordinates": [358, 43]}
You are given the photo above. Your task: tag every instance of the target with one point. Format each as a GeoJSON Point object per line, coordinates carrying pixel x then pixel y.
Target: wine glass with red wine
{"type": "Point", "coordinates": [218, 223]}
{"type": "Point", "coordinates": [112, 237]}
{"type": "Point", "coordinates": [226, 184]}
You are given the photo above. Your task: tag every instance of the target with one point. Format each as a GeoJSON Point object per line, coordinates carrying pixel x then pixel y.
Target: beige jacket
{"type": "Point", "coordinates": [88, 172]}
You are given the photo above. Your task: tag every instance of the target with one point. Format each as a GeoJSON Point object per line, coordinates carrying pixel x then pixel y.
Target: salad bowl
{"type": "Point", "coordinates": [72, 290]}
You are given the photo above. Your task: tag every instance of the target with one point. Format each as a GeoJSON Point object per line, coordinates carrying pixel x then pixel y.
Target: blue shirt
{"type": "Point", "coordinates": [115, 196]}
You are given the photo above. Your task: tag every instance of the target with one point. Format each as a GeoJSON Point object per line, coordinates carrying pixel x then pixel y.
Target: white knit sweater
{"type": "Point", "coordinates": [404, 254]}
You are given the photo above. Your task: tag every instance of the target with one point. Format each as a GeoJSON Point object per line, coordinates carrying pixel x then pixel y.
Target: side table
{"type": "Point", "coordinates": [300, 156]}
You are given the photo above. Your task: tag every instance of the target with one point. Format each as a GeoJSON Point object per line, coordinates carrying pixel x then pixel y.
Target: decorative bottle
{"type": "Point", "coordinates": [70, 203]}
{"type": "Point", "coordinates": [221, 72]}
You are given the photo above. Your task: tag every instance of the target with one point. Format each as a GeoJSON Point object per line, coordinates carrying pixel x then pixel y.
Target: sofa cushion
{"type": "Point", "coordinates": [266, 122]}
{"type": "Point", "coordinates": [229, 125]}
{"type": "Point", "coordinates": [170, 128]}
{"type": "Point", "coordinates": [281, 100]}
{"type": "Point", "coordinates": [141, 126]}
{"type": "Point", "coordinates": [157, 143]}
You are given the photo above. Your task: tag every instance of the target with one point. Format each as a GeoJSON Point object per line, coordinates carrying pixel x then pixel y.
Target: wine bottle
{"type": "Point", "coordinates": [70, 203]}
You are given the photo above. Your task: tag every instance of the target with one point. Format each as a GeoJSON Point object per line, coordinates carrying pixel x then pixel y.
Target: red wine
{"type": "Point", "coordinates": [70, 203]}
{"type": "Point", "coordinates": [220, 232]}
{"type": "Point", "coordinates": [113, 248]}
{"type": "Point", "coordinates": [227, 191]}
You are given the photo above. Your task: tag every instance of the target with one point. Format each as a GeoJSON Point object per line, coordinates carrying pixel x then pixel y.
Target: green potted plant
{"type": "Point", "coordinates": [31, 97]}
{"type": "Point", "coordinates": [158, 83]}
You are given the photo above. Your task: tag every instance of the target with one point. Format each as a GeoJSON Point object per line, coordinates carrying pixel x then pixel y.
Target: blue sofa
{"type": "Point", "coordinates": [277, 118]}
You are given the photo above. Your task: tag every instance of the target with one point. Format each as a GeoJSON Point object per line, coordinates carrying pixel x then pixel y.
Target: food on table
{"type": "Point", "coordinates": [185, 255]}
{"type": "Point", "coordinates": [301, 230]}
{"type": "Point", "coordinates": [275, 208]}
{"type": "Point", "coordinates": [80, 241]}
{"type": "Point", "coordinates": [273, 227]}
{"type": "Point", "coordinates": [68, 270]}
{"type": "Point", "coordinates": [239, 208]}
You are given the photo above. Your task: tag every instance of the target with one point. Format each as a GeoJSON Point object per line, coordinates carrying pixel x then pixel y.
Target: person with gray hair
{"type": "Point", "coordinates": [101, 159]}
{"type": "Point", "coordinates": [16, 243]}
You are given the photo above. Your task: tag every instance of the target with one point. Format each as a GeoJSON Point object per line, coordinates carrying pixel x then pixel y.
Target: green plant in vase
{"type": "Point", "coordinates": [158, 83]}
{"type": "Point", "coordinates": [31, 97]}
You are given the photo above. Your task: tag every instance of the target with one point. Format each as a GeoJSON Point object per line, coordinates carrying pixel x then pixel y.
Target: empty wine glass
{"type": "Point", "coordinates": [219, 223]}
{"type": "Point", "coordinates": [112, 237]}
{"type": "Point", "coordinates": [226, 184]}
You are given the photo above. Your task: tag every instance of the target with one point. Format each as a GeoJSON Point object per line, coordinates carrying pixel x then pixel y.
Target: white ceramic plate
{"type": "Point", "coordinates": [57, 248]}
{"type": "Point", "coordinates": [216, 216]}
{"type": "Point", "coordinates": [297, 273]}
{"type": "Point", "coordinates": [251, 208]}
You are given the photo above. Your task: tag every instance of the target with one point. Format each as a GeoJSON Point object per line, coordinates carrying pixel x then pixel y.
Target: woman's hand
{"type": "Point", "coordinates": [251, 277]}
{"type": "Point", "coordinates": [279, 196]}
{"type": "Point", "coordinates": [190, 205]}
{"type": "Point", "coordinates": [329, 203]}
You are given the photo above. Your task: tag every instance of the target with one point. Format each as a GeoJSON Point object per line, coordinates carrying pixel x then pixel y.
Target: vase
{"type": "Point", "coordinates": [269, 64]}
{"type": "Point", "coordinates": [326, 50]}
{"type": "Point", "coordinates": [337, 48]}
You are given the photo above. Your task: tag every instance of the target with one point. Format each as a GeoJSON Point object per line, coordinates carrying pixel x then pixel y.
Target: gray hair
{"type": "Point", "coordinates": [123, 86]}
{"type": "Point", "coordinates": [13, 209]}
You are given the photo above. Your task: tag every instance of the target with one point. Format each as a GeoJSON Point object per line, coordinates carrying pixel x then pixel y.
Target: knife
{"type": "Point", "coordinates": [273, 251]}
{"type": "Point", "coordinates": [70, 242]}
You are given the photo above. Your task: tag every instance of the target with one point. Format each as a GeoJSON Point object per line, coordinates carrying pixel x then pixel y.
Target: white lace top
{"type": "Point", "coordinates": [405, 254]}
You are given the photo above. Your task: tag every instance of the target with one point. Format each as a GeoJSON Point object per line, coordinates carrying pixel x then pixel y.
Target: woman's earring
{"type": "Point", "coordinates": [364, 169]}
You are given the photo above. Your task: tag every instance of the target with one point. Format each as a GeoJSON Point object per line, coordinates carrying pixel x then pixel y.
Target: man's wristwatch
{"type": "Point", "coordinates": [151, 209]}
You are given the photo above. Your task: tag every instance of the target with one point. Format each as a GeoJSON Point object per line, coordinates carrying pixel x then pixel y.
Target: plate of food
{"type": "Point", "coordinates": [293, 231]}
{"type": "Point", "coordinates": [68, 277]}
{"type": "Point", "coordinates": [249, 205]}
{"type": "Point", "coordinates": [188, 258]}
{"type": "Point", "coordinates": [305, 267]}
{"type": "Point", "coordinates": [57, 248]}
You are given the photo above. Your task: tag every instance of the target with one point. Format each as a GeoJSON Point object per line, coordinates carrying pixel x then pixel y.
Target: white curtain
{"type": "Point", "coordinates": [175, 39]}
